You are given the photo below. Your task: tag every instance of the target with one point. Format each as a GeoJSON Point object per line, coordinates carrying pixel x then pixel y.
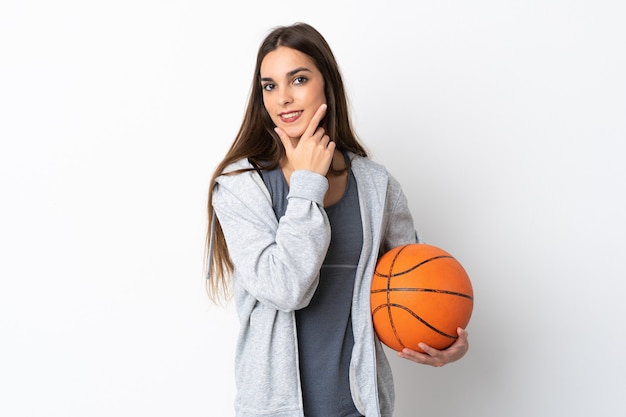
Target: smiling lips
{"type": "Point", "coordinates": [290, 117]}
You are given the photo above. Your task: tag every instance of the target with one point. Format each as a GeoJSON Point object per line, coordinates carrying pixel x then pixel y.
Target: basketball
{"type": "Point", "coordinates": [420, 293]}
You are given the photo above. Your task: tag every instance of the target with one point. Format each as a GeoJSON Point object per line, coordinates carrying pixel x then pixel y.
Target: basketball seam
{"type": "Point", "coordinates": [411, 312]}
{"type": "Point", "coordinates": [391, 321]}
{"type": "Point", "coordinates": [458, 294]}
{"type": "Point", "coordinates": [422, 320]}
{"type": "Point", "coordinates": [390, 275]}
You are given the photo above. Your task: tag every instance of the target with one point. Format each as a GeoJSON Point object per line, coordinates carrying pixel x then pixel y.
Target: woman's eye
{"type": "Point", "coordinates": [267, 87]}
{"type": "Point", "coordinates": [300, 80]}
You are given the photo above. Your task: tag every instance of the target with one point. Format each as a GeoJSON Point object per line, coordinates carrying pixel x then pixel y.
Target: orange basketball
{"type": "Point", "coordinates": [420, 293]}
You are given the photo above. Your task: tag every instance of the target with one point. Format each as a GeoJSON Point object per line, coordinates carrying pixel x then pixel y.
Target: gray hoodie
{"type": "Point", "coordinates": [277, 271]}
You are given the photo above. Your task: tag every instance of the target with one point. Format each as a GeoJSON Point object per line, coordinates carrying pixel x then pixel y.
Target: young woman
{"type": "Point", "coordinates": [298, 218]}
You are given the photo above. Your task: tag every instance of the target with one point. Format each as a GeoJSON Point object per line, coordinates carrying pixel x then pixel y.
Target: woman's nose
{"type": "Point", "coordinates": [285, 97]}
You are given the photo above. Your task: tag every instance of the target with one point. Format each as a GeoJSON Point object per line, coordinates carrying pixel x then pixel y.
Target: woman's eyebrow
{"type": "Point", "coordinates": [297, 70]}
{"type": "Point", "coordinates": [289, 74]}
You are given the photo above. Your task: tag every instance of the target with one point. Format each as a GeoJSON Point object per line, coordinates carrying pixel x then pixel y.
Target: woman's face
{"type": "Point", "coordinates": [293, 89]}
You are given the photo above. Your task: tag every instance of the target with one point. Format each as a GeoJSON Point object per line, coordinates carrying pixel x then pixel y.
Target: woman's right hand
{"type": "Point", "coordinates": [314, 150]}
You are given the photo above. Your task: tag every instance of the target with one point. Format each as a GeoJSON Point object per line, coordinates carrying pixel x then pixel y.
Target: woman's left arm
{"type": "Point", "coordinates": [400, 230]}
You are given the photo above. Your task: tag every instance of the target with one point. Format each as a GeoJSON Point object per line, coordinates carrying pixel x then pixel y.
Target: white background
{"type": "Point", "coordinates": [504, 121]}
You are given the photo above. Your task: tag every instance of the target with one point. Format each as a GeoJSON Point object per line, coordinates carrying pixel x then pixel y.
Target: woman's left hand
{"type": "Point", "coordinates": [434, 357]}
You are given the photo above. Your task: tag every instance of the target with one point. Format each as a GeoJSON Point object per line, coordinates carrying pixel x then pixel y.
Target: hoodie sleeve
{"type": "Point", "coordinates": [399, 228]}
{"type": "Point", "coordinates": [276, 263]}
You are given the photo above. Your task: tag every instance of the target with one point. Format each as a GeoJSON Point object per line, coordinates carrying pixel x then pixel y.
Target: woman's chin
{"type": "Point", "coordinates": [293, 132]}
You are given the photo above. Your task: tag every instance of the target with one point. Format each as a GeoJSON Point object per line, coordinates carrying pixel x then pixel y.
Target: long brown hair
{"type": "Point", "coordinates": [257, 141]}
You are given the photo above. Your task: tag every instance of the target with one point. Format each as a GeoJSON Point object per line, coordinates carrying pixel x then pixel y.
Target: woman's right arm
{"type": "Point", "coordinates": [277, 265]}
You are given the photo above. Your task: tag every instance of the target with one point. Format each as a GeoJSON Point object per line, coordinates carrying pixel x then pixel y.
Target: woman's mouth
{"type": "Point", "coordinates": [290, 117]}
